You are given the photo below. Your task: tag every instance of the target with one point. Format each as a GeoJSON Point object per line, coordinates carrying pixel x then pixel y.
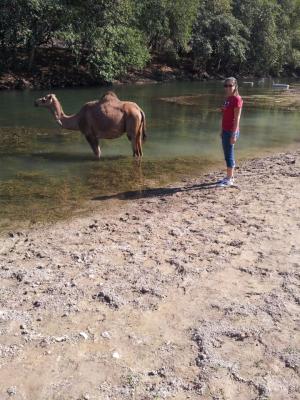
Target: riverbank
{"type": "Point", "coordinates": [58, 78]}
{"type": "Point", "coordinates": [184, 292]}
{"type": "Point", "coordinates": [57, 68]}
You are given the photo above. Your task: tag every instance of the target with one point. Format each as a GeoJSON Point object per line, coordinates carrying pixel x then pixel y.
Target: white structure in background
{"type": "Point", "coordinates": [281, 86]}
{"type": "Point", "coordinates": [251, 84]}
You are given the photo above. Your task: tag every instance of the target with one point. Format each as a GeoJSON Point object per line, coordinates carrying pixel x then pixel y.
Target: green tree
{"type": "Point", "coordinates": [272, 26]}
{"type": "Point", "coordinates": [101, 32]}
{"type": "Point", "coordinates": [219, 40]}
{"type": "Point", "coordinates": [28, 24]}
{"type": "Point", "coordinates": [167, 23]}
{"type": "Point", "coordinates": [108, 37]}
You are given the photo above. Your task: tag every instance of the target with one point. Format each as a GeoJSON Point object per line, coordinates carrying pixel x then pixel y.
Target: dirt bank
{"type": "Point", "coordinates": [185, 292]}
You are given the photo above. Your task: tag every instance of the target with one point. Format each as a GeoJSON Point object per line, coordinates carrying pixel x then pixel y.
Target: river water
{"type": "Point", "coordinates": [47, 174]}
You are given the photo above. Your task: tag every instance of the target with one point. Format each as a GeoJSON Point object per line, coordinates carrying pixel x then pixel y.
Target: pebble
{"type": "Point", "coordinates": [106, 335]}
{"type": "Point", "coordinates": [84, 335]}
{"type": "Point", "coordinates": [116, 355]}
{"type": "Point", "coordinates": [12, 391]}
{"type": "Point", "coordinates": [60, 339]}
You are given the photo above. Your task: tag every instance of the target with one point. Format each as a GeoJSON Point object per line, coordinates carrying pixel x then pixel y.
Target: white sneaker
{"type": "Point", "coordinates": [226, 182]}
{"type": "Point", "coordinates": [222, 180]}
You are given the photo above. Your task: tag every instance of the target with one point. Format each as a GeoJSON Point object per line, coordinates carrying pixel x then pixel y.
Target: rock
{"type": "Point", "coordinates": [37, 304]}
{"type": "Point", "coordinates": [23, 84]}
{"type": "Point", "coordinates": [175, 232]}
{"type": "Point", "coordinates": [60, 339]}
{"type": "Point", "coordinates": [44, 343]}
{"type": "Point", "coordinates": [84, 335]}
{"type": "Point", "coordinates": [106, 335]}
{"type": "Point", "coordinates": [12, 391]}
{"type": "Point", "coordinates": [205, 75]}
{"type": "Point", "coordinates": [110, 298]}
{"type": "Point", "coordinates": [236, 243]}
{"type": "Point", "coordinates": [116, 355]}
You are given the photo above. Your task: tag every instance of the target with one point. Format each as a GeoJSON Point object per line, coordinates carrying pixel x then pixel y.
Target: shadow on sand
{"type": "Point", "coordinates": [157, 192]}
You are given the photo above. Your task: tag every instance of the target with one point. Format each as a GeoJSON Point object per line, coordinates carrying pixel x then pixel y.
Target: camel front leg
{"type": "Point", "coordinates": [94, 143]}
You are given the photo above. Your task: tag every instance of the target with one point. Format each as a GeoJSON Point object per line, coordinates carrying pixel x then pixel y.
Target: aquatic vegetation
{"type": "Point", "coordinates": [21, 140]}
{"type": "Point", "coordinates": [203, 99]}
{"type": "Point", "coordinates": [287, 100]}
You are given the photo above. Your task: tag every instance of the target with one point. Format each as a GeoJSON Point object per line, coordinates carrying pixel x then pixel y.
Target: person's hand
{"type": "Point", "coordinates": [233, 138]}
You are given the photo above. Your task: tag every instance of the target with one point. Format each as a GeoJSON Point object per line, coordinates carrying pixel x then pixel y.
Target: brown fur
{"type": "Point", "coordinates": [107, 118]}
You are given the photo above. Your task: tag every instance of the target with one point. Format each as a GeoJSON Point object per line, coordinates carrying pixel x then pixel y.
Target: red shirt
{"type": "Point", "coordinates": [230, 104]}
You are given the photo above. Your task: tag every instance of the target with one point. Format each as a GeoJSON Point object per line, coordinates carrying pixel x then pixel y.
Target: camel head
{"type": "Point", "coordinates": [50, 101]}
{"type": "Point", "coordinates": [46, 101]}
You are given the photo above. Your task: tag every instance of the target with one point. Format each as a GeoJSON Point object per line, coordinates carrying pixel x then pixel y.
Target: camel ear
{"type": "Point", "coordinates": [50, 97]}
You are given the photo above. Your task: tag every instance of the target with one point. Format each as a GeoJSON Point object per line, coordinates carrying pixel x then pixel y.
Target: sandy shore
{"type": "Point", "coordinates": [188, 292]}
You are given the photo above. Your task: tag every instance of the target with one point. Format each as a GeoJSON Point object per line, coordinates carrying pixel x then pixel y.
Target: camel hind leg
{"type": "Point", "coordinates": [134, 132]}
{"type": "Point", "coordinates": [139, 146]}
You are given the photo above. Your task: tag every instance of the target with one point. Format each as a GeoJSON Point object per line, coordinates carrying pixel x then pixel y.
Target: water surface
{"type": "Point", "coordinates": [46, 174]}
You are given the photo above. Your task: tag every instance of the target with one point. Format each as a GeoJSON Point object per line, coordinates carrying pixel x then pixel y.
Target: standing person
{"type": "Point", "coordinates": [231, 110]}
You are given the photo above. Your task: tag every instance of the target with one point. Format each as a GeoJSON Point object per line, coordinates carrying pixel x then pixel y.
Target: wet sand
{"type": "Point", "coordinates": [184, 292]}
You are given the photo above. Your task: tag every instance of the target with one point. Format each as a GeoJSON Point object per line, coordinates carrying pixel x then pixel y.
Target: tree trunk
{"type": "Point", "coordinates": [31, 58]}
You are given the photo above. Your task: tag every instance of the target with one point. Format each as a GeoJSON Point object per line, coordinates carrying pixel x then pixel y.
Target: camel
{"type": "Point", "coordinates": [107, 118]}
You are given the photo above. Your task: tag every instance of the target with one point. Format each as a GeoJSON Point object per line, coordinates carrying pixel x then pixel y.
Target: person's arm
{"type": "Point", "coordinates": [222, 109]}
{"type": "Point", "coordinates": [237, 118]}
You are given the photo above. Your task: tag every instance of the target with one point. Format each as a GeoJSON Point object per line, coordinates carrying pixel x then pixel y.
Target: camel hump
{"type": "Point", "coordinates": [110, 95]}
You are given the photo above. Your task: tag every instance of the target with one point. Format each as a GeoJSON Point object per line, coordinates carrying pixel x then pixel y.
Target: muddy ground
{"type": "Point", "coordinates": [184, 292]}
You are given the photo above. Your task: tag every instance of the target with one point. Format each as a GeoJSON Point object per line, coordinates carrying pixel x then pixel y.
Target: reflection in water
{"type": "Point", "coordinates": [46, 175]}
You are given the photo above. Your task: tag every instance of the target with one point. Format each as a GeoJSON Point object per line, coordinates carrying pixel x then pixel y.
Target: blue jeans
{"type": "Point", "coordinates": [228, 148]}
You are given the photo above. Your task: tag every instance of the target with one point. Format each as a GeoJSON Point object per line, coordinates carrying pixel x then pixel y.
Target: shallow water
{"type": "Point", "coordinates": [47, 175]}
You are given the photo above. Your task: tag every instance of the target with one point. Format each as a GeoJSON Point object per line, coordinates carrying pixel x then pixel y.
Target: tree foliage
{"type": "Point", "coordinates": [112, 36]}
{"type": "Point", "coordinates": [219, 39]}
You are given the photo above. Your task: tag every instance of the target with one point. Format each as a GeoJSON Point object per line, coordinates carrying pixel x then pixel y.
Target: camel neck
{"type": "Point", "coordinates": [66, 121]}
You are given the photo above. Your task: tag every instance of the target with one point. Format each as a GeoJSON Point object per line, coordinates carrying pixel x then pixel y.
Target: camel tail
{"type": "Point", "coordinates": [143, 125]}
